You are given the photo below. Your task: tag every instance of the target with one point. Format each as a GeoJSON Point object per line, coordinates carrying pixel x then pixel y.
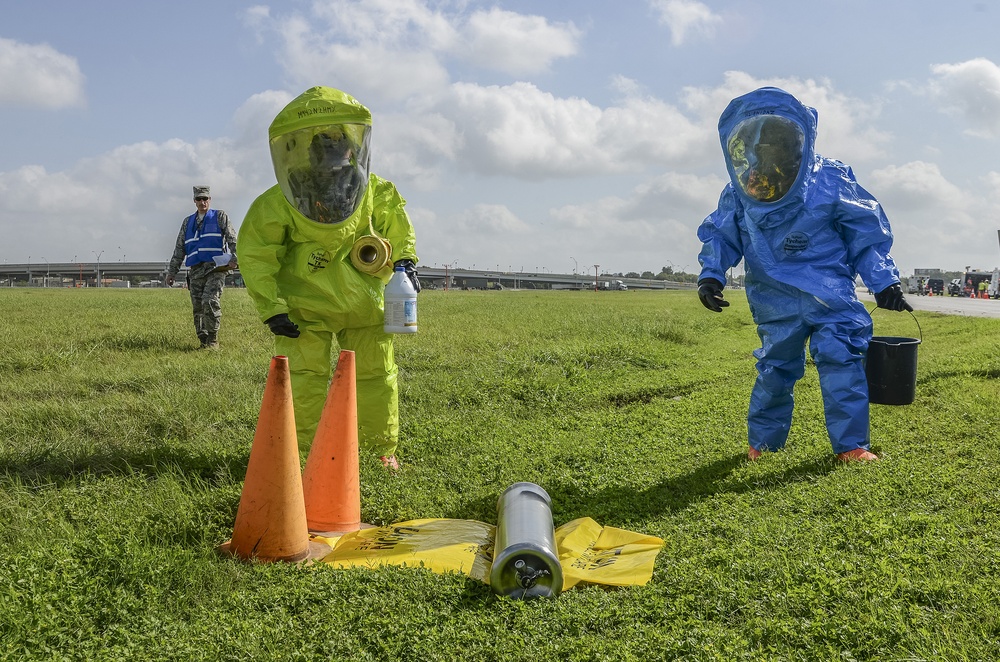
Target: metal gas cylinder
{"type": "Point", "coordinates": [525, 560]}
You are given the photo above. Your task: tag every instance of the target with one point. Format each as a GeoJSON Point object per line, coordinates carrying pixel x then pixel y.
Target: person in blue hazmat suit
{"type": "Point", "coordinates": [805, 230]}
{"type": "Point", "coordinates": [299, 249]}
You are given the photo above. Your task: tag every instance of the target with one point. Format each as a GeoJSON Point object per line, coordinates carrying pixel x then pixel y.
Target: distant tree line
{"type": "Point", "coordinates": [666, 273]}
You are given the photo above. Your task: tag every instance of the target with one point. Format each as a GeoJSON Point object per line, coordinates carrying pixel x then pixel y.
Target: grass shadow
{"type": "Point", "coordinates": [46, 467]}
{"type": "Point", "coordinates": [619, 505]}
{"type": "Point", "coordinates": [981, 373]}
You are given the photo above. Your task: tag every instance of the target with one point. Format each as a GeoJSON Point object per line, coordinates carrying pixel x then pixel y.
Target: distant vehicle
{"type": "Point", "coordinates": [969, 285]}
{"type": "Point", "coordinates": [618, 285]}
{"type": "Point", "coordinates": [923, 285]}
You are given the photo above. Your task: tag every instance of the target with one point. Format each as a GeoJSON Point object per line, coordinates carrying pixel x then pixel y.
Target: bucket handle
{"type": "Point", "coordinates": [919, 330]}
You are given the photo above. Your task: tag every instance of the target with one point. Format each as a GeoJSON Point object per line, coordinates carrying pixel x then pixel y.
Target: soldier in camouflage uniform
{"type": "Point", "coordinates": [206, 244]}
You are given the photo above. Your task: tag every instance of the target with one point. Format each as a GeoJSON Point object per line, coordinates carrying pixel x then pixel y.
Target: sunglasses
{"type": "Point", "coordinates": [201, 199]}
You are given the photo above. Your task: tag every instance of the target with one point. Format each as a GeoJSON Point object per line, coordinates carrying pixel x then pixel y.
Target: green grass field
{"type": "Point", "coordinates": [123, 449]}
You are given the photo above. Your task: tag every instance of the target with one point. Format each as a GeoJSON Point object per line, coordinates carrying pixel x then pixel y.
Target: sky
{"type": "Point", "coordinates": [524, 135]}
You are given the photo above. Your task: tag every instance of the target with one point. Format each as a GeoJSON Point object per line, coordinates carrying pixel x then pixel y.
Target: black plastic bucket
{"type": "Point", "coordinates": [891, 368]}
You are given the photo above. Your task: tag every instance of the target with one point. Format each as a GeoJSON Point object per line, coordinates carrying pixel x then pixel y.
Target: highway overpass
{"type": "Point", "coordinates": [86, 274]}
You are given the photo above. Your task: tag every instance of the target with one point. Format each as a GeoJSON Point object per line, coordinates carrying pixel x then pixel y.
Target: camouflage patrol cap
{"type": "Point", "coordinates": [202, 191]}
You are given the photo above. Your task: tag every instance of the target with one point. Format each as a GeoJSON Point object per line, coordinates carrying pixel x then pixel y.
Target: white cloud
{"type": "Point", "coordinates": [575, 148]}
{"type": "Point", "coordinates": [517, 43]}
{"type": "Point", "coordinates": [992, 185]}
{"type": "Point", "coordinates": [395, 50]}
{"type": "Point", "coordinates": [415, 148]}
{"type": "Point", "coordinates": [627, 87]}
{"type": "Point", "coordinates": [683, 198]}
{"type": "Point", "coordinates": [685, 18]}
{"type": "Point", "coordinates": [134, 195]}
{"type": "Point", "coordinates": [970, 89]}
{"type": "Point", "coordinates": [491, 219]}
{"type": "Point", "coordinates": [621, 233]}
{"type": "Point", "coordinates": [920, 185]}
{"type": "Point", "coordinates": [846, 128]}
{"type": "Point", "coordinates": [371, 71]}
{"type": "Point", "coordinates": [252, 119]}
{"type": "Point", "coordinates": [256, 18]}
{"type": "Point", "coordinates": [931, 216]}
{"type": "Point", "coordinates": [392, 53]}
{"type": "Point", "coordinates": [650, 131]}
{"type": "Point", "coordinates": [521, 131]}
{"type": "Point", "coordinates": [37, 75]}
{"type": "Point", "coordinates": [490, 232]}
{"type": "Point", "coordinates": [402, 24]}
{"type": "Point", "coordinates": [497, 166]}
{"type": "Point", "coordinates": [654, 224]}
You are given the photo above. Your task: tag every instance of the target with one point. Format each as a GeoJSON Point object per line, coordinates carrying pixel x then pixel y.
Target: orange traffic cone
{"type": "Point", "coordinates": [331, 480]}
{"type": "Point", "coordinates": [271, 519]}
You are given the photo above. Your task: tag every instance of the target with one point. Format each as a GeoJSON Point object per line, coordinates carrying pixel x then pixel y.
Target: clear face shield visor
{"type": "Point", "coordinates": [765, 154]}
{"type": "Point", "coordinates": [323, 171]}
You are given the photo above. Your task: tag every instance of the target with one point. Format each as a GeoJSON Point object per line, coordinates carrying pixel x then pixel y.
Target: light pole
{"type": "Point", "coordinates": [596, 275]}
{"type": "Point", "coordinates": [98, 266]}
{"type": "Point", "coordinates": [45, 283]}
{"type": "Point", "coordinates": [574, 264]}
{"type": "Point", "coordinates": [446, 268]}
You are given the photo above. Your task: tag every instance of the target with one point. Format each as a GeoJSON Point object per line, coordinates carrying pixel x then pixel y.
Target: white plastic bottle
{"type": "Point", "coordinates": [400, 304]}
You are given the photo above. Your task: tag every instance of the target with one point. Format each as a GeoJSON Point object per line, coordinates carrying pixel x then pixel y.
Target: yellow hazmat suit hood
{"type": "Point", "coordinates": [320, 151]}
{"type": "Point", "coordinates": [318, 106]}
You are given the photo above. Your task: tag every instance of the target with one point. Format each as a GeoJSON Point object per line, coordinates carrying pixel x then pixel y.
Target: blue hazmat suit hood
{"type": "Point", "coordinates": [768, 139]}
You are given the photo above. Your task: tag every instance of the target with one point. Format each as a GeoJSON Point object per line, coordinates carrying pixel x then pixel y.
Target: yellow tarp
{"type": "Point", "coordinates": [589, 553]}
{"type": "Point", "coordinates": [595, 554]}
{"type": "Point", "coordinates": [440, 545]}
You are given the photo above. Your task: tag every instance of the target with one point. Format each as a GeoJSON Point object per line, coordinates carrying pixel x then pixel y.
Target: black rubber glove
{"type": "Point", "coordinates": [710, 293]}
{"type": "Point", "coordinates": [891, 298]}
{"type": "Point", "coordinates": [280, 325]}
{"type": "Point", "coordinates": [411, 272]}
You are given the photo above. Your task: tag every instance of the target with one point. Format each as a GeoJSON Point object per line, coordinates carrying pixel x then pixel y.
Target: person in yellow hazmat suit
{"type": "Point", "coordinates": [299, 255]}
